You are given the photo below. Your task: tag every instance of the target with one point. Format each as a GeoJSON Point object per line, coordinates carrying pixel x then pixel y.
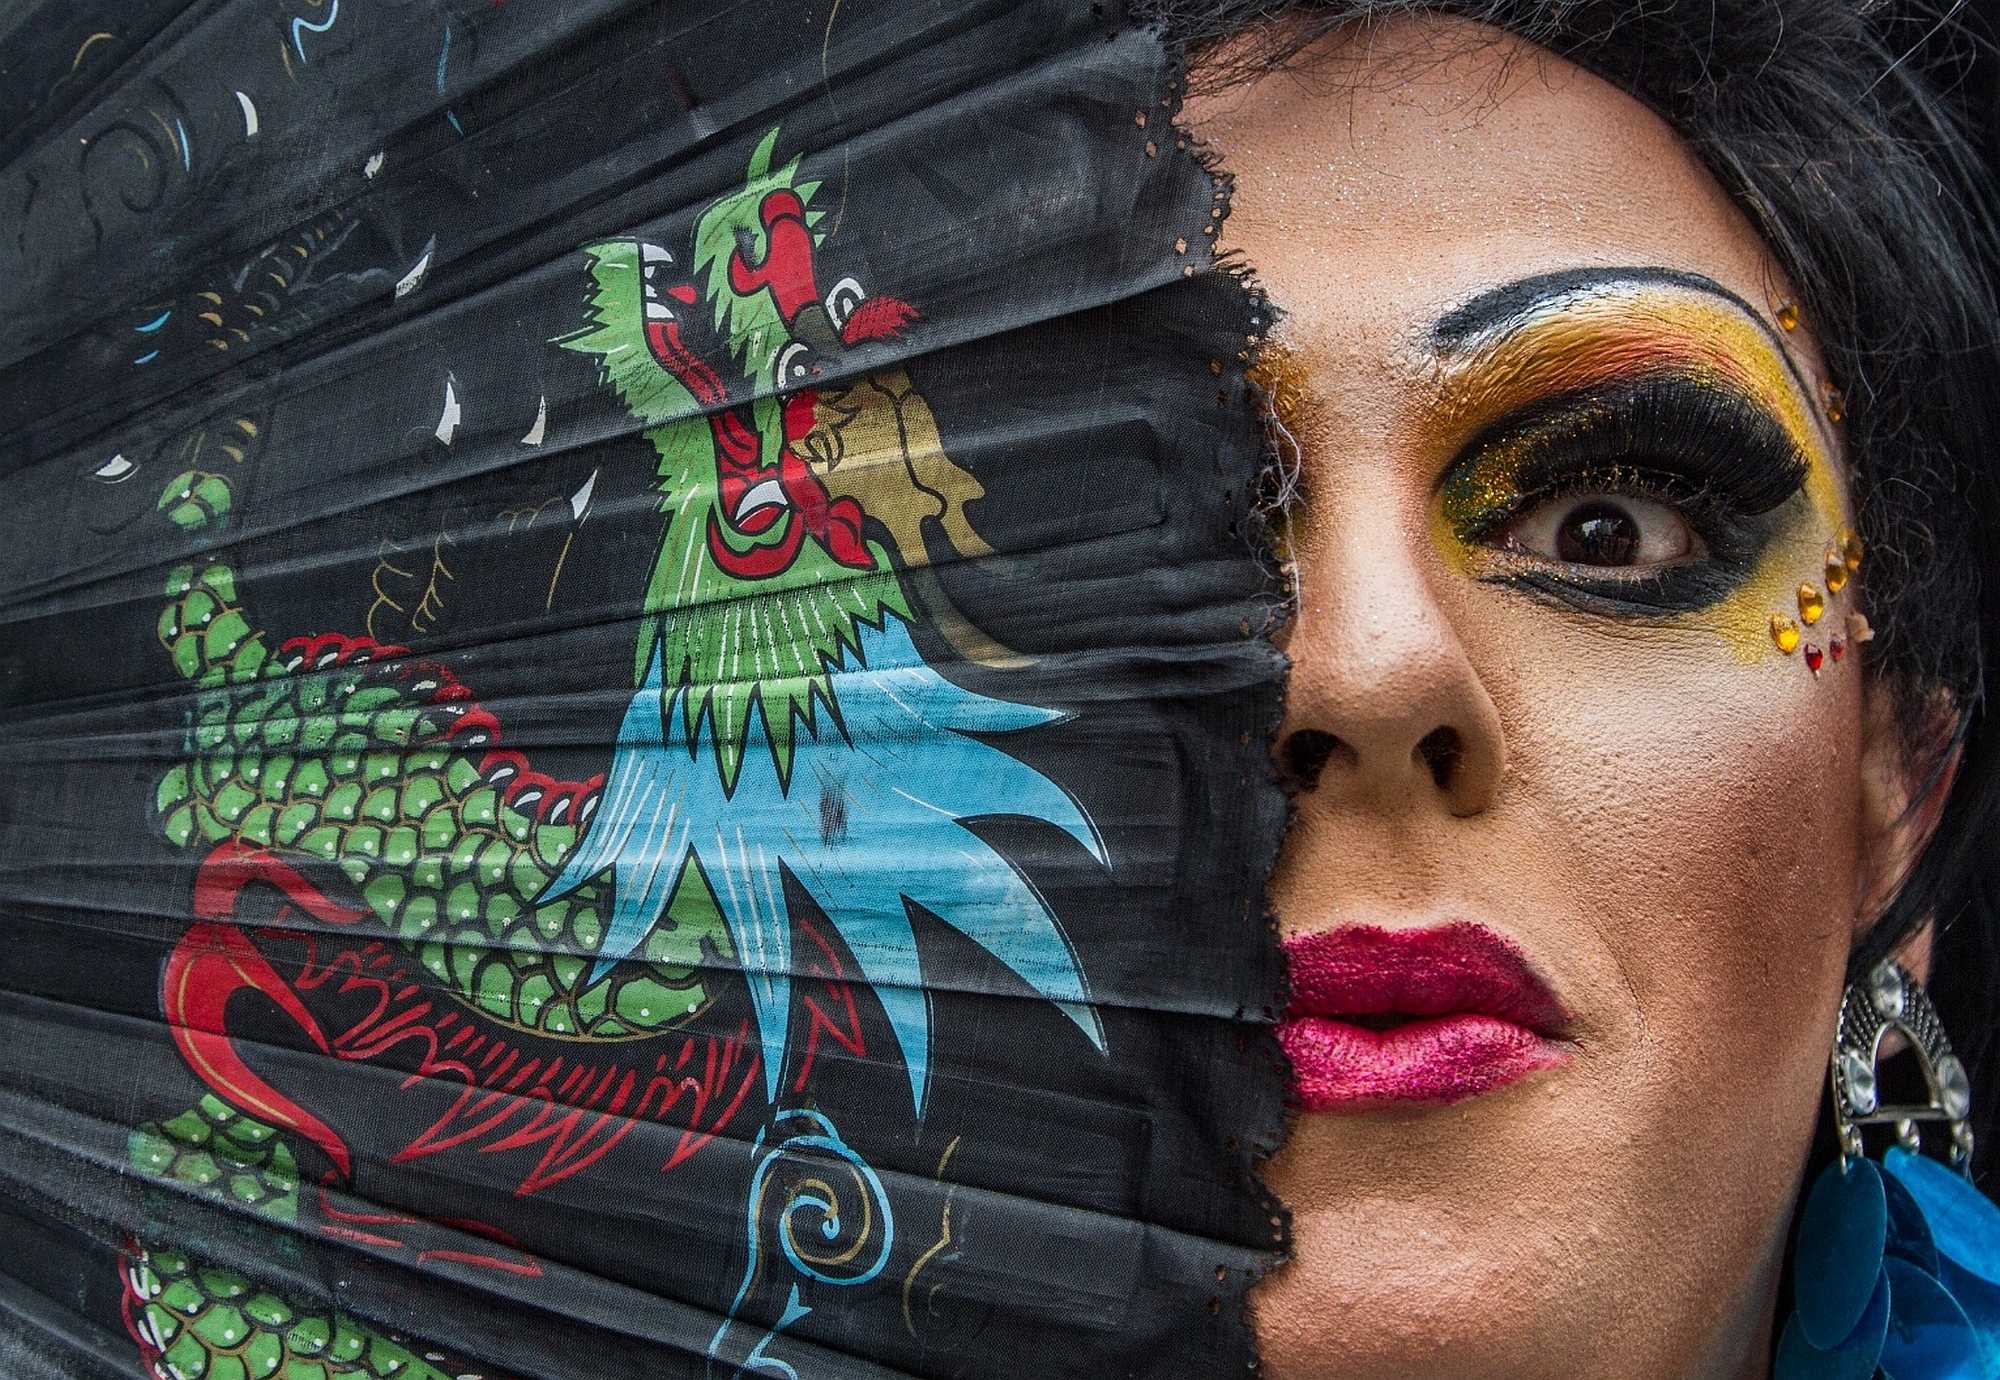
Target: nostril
{"type": "Point", "coordinates": [1440, 751]}
{"type": "Point", "coordinates": [1304, 755]}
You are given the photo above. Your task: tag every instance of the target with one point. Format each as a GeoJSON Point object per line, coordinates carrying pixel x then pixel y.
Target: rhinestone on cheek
{"type": "Point", "coordinates": [1811, 604]}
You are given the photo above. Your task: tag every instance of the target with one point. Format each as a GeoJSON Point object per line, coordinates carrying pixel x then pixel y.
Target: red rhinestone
{"type": "Point", "coordinates": [1838, 646]}
{"type": "Point", "coordinates": [1814, 657]}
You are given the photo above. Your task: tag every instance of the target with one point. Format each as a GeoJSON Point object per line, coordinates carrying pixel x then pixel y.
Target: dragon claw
{"type": "Point", "coordinates": [548, 800]}
{"type": "Point", "coordinates": [498, 767]}
{"type": "Point", "coordinates": [333, 649]}
{"type": "Point", "coordinates": [472, 727]}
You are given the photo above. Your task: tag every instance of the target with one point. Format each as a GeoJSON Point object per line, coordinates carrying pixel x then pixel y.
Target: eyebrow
{"type": "Point", "coordinates": [1511, 303]}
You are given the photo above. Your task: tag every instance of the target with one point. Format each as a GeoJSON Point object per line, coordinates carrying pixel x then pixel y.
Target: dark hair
{"type": "Point", "coordinates": [1846, 131]}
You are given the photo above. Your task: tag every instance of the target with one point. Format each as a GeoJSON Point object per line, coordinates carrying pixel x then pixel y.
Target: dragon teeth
{"type": "Point", "coordinates": [764, 493]}
{"type": "Point", "coordinates": [653, 256]}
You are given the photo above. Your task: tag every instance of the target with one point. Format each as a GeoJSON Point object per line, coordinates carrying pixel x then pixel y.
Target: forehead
{"type": "Point", "coordinates": [1392, 173]}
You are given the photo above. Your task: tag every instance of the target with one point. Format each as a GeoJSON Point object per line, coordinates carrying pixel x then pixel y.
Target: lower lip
{"type": "Point", "coordinates": [1339, 1066]}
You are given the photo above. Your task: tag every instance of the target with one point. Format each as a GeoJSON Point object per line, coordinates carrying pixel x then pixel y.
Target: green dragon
{"type": "Point", "coordinates": [360, 789]}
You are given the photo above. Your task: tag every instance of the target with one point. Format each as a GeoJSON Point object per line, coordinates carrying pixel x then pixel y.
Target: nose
{"type": "Point", "coordinates": [1385, 708]}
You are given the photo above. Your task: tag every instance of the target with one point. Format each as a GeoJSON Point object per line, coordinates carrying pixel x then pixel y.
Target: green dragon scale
{"type": "Point", "coordinates": [205, 1323]}
{"type": "Point", "coordinates": [379, 766]}
{"type": "Point", "coordinates": [195, 1321]}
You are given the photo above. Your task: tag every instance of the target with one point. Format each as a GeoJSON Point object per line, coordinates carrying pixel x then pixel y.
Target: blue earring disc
{"type": "Point", "coordinates": [1799, 1359]}
{"type": "Point", "coordinates": [1839, 1258]}
{"type": "Point", "coordinates": [1929, 1334]}
{"type": "Point", "coordinates": [1963, 1222]}
{"type": "Point", "coordinates": [1909, 1231]}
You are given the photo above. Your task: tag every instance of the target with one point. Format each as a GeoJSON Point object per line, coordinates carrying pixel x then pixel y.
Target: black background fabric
{"type": "Point", "coordinates": [986, 162]}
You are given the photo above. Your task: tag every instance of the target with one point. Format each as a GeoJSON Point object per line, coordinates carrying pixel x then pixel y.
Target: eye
{"type": "Point", "coordinates": [1607, 530]}
{"type": "Point", "coordinates": [841, 300]}
{"type": "Point", "coordinates": [794, 366]}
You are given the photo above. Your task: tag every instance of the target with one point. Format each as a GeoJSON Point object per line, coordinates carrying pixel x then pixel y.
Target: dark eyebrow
{"type": "Point", "coordinates": [1510, 302]}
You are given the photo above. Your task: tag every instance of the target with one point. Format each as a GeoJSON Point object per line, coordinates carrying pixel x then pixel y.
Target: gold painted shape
{"type": "Point", "coordinates": [876, 441]}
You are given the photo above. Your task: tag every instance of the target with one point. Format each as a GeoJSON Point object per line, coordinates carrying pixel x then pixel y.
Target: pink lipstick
{"type": "Point", "coordinates": [1421, 1015]}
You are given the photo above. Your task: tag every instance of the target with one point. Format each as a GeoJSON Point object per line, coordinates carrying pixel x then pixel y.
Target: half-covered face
{"type": "Point", "coordinates": [1575, 725]}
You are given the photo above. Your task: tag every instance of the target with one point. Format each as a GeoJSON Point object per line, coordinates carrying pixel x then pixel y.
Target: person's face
{"type": "Point", "coordinates": [1565, 458]}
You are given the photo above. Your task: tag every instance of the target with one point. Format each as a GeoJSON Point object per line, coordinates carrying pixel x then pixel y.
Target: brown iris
{"type": "Point", "coordinates": [1598, 533]}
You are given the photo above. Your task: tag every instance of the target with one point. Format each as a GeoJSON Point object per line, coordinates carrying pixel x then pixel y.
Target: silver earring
{"type": "Point", "coordinates": [1889, 999]}
{"type": "Point", "coordinates": [1896, 1264]}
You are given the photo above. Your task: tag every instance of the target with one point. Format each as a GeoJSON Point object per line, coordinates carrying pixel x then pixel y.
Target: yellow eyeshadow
{"type": "Point", "coordinates": [1285, 383]}
{"type": "Point", "coordinates": [1626, 332]}
{"type": "Point", "coordinates": [1290, 408]}
{"type": "Point", "coordinates": [1612, 334]}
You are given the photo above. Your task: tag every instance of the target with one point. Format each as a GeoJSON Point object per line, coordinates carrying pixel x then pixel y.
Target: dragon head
{"type": "Point", "coordinates": [731, 353]}
{"type": "Point", "coordinates": [781, 472]}
{"type": "Point", "coordinates": [805, 501]}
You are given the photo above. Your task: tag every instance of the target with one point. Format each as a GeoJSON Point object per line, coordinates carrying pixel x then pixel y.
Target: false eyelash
{"type": "Point", "coordinates": [1668, 435]}
{"type": "Point", "coordinates": [1710, 452]}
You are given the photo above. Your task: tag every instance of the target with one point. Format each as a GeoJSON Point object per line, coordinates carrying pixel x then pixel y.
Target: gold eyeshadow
{"type": "Point", "coordinates": [1285, 383]}
{"type": "Point", "coordinates": [1622, 331]}
{"type": "Point", "coordinates": [1607, 336]}
{"type": "Point", "coordinates": [1290, 412]}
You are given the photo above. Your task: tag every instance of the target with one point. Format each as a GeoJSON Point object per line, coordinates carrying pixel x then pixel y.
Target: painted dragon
{"type": "Point", "coordinates": [378, 867]}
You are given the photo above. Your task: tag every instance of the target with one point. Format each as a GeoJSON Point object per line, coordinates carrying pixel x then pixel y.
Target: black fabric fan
{"type": "Point", "coordinates": [633, 696]}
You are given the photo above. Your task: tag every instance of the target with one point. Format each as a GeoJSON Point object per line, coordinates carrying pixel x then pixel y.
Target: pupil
{"type": "Point", "coordinates": [1598, 534]}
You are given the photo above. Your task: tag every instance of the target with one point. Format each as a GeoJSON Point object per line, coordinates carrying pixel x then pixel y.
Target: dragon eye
{"type": "Point", "coordinates": [794, 366]}
{"type": "Point", "coordinates": [841, 301]}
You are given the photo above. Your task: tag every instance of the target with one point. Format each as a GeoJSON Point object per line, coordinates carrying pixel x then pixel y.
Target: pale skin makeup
{"type": "Point", "coordinates": [1563, 462]}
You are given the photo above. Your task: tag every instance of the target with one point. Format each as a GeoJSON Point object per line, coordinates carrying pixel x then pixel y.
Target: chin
{"type": "Point", "coordinates": [1532, 1232]}
{"type": "Point", "coordinates": [1420, 1246]}
{"type": "Point", "coordinates": [1412, 1313]}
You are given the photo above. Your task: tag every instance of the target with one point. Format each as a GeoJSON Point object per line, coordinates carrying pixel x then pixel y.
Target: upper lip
{"type": "Point", "coordinates": [1460, 968]}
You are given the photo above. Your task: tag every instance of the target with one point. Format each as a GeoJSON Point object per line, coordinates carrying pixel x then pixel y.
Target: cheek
{"type": "Point", "coordinates": [1704, 814]}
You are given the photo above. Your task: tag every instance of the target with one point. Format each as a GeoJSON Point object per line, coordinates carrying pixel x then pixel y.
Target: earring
{"type": "Point", "coordinates": [1897, 1263]}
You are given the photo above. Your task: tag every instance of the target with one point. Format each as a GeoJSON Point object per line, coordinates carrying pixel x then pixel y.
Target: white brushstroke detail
{"type": "Point", "coordinates": [579, 502]}
{"type": "Point", "coordinates": [409, 282]}
{"type": "Point", "coordinates": [374, 163]}
{"type": "Point", "coordinates": [447, 425]}
{"type": "Point", "coordinates": [115, 469]}
{"type": "Point", "coordinates": [249, 115]}
{"type": "Point", "coordinates": [541, 426]}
